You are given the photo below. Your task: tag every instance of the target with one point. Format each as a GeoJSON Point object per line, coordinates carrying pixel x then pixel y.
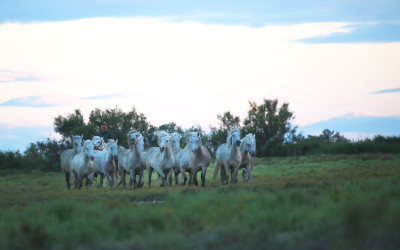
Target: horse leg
{"type": "Point", "coordinates": [249, 175]}
{"type": "Point", "coordinates": [194, 176]}
{"type": "Point", "coordinates": [110, 178]}
{"type": "Point", "coordinates": [244, 175]}
{"type": "Point", "coordinates": [90, 180]}
{"type": "Point", "coordinates": [225, 176]}
{"type": "Point", "coordinates": [235, 175]}
{"type": "Point", "coordinates": [141, 183]}
{"type": "Point", "coordinates": [190, 178]}
{"type": "Point", "coordinates": [203, 176]}
{"type": "Point", "coordinates": [80, 182]}
{"type": "Point", "coordinates": [132, 176]}
{"type": "Point", "coordinates": [66, 175]}
{"type": "Point", "coordinates": [75, 179]}
{"type": "Point", "coordinates": [135, 184]}
{"type": "Point", "coordinates": [169, 178]}
{"type": "Point", "coordinates": [177, 179]}
{"type": "Point", "coordinates": [184, 177]}
{"type": "Point", "coordinates": [149, 172]}
{"type": "Point", "coordinates": [87, 181]}
{"type": "Point", "coordinates": [123, 179]}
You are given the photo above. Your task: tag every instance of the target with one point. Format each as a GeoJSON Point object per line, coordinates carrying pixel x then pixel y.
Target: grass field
{"type": "Point", "coordinates": [316, 202]}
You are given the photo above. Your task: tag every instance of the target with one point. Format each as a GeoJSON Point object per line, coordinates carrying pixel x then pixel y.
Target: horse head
{"type": "Point", "coordinates": [77, 142]}
{"type": "Point", "coordinates": [112, 146]}
{"type": "Point", "coordinates": [234, 133]}
{"type": "Point", "coordinates": [195, 141]}
{"type": "Point", "coordinates": [98, 142]}
{"type": "Point", "coordinates": [249, 144]}
{"type": "Point", "coordinates": [88, 149]}
{"type": "Point", "coordinates": [176, 139]}
{"type": "Point", "coordinates": [164, 140]}
{"type": "Point", "coordinates": [134, 137]}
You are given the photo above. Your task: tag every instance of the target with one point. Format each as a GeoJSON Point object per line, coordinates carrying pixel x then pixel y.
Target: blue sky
{"type": "Point", "coordinates": [335, 62]}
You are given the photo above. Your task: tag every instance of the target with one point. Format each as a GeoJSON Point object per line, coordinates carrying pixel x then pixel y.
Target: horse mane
{"type": "Point", "coordinates": [176, 134]}
{"type": "Point", "coordinates": [229, 138]}
{"type": "Point", "coordinates": [244, 141]}
{"type": "Point", "coordinates": [84, 145]}
{"type": "Point", "coordinates": [160, 134]}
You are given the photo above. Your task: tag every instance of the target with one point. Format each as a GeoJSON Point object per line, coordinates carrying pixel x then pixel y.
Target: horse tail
{"type": "Point", "coordinates": [216, 170]}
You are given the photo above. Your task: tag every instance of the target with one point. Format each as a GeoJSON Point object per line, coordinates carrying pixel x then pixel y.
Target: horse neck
{"type": "Point", "coordinates": [85, 156]}
{"type": "Point", "coordinates": [200, 150]}
{"type": "Point", "coordinates": [168, 152]}
{"type": "Point", "coordinates": [75, 150]}
{"type": "Point", "coordinates": [108, 154]}
{"type": "Point", "coordinates": [242, 148]}
{"type": "Point", "coordinates": [131, 146]}
{"type": "Point", "coordinates": [234, 149]}
{"type": "Point", "coordinates": [136, 150]}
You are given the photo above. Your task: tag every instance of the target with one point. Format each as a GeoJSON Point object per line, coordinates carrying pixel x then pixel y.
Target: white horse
{"type": "Point", "coordinates": [104, 163]}
{"type": "Point", "coordinates": [182, 162]}
{"type": "Point", "coordinates": [98, 142]}
{"type": "Point", "coordinates": [129, 160]}
{"type": "Point", "coordinates": [199, 158]}
{"type": "Point", "coordinates": [176, 148]}
{"type": "Point", "coordinates": [161, 159]}
{"type": "Point", "coordinates": [229, 157]}
{"type": "Point", "coordinates": [82, 165]}
{"type": "Point", "coordinates": [67, 155]}
{"type": "Point", "coordinates": [247, 149]}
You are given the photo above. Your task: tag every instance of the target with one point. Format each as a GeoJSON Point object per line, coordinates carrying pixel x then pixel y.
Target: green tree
{"type": "Point", "coordinates": [120, 123]}
{"type": "Point", "coordinates": [270, 124]}
{"type": "Point", "coordinates": [73, 124]}
{"type": "Point", "coordinates": [329, 136]}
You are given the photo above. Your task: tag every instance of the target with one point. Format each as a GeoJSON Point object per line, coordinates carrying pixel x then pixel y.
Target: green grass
{"type": "Point", "coordinates": [324, 202]}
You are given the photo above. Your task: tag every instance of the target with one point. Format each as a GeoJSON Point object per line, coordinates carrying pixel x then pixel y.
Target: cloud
{"type": "Point", "coordinates": [27, 101]}
{"type": "Point", "coordinates": [361, 32]}
{"type": "Point", "coordinates": [189, 72]}
{"type": "Point", "coordinates": [384, 91]}
{"type": "Point", "coordinates": [101, 97]}
{"type": "Point", "coordinates": [356, 125]}
{"type": "Point", "coordinates": [11, 76]}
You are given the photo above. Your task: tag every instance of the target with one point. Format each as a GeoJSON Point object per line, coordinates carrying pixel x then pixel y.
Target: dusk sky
{"type": "Point", "coordinates": [337, 63]}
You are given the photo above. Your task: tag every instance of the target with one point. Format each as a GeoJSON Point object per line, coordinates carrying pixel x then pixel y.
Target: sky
{"type": "Point", "coordinates": [335, 62]}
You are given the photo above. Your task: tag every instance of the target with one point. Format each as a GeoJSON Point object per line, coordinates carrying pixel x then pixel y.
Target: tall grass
{"type": "Point", "coordinates": [324, 201]}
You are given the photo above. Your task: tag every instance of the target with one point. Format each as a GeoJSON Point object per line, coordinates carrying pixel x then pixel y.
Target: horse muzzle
{"type": "Point", "coordinates": [162, 149]}
{"type": "Point", "coordinates": [238, 143]}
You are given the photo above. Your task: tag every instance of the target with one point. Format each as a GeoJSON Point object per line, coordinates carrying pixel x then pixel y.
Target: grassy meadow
{"type": "Point", "coordinates": [315, 202]}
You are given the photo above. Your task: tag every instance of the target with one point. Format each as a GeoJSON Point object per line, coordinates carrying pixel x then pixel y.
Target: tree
{"type": "Point", "coordinates": [269, 123]}
{"type": "Point", "coordinates": [329, 136]}
{"type": "Point", "coordinates": [228, 121]}
{"type": "Point", "coordinates": [119, 123]}
{"type": "Point", "coordinates": [169, 127]}
{"type": "Point", "coordinates": [73, 124]}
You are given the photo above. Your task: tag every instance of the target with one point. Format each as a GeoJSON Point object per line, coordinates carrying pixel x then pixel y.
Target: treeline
{"type": "Point", "coordinates": [269, 121]}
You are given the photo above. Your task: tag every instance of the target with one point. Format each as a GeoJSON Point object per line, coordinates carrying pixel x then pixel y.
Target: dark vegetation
{"type": "Point", "coordinates": [269, 121]}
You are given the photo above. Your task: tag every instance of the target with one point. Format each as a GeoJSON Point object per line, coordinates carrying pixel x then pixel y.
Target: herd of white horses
{"type": "Point", "coordinates": [90, 158]}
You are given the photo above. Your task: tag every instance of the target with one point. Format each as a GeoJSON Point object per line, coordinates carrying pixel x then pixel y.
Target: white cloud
{"type": "Point", "coordinates": [189, 72]}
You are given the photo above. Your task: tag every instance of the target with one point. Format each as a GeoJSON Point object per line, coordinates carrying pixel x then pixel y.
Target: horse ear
{"type": "Point", "coordinates": [82, 136]}
{"type": "Point", "coordinates": [116, 141]}
{"type": "Point", "coordinates": [198, 133]}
